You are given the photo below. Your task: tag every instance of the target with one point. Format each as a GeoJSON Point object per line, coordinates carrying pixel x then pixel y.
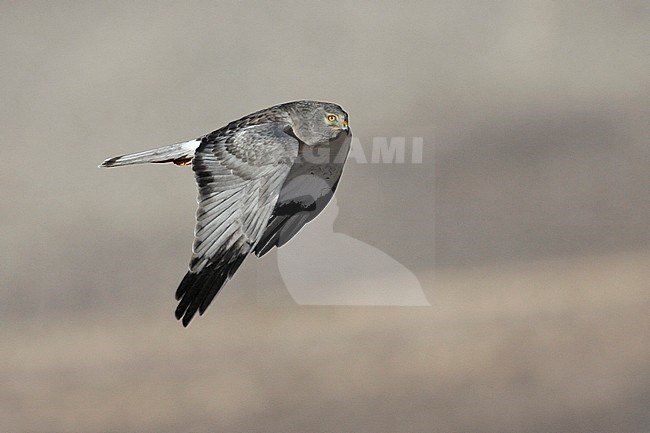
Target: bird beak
{"type": "Point", "coordinates": [345, 125]}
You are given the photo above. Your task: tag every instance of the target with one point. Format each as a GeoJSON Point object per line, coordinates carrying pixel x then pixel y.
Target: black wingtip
{"type": "Point", "coordinates": [179, 312]}
{"type": "Point", "coordinates": [185, 315]}
{"type": "Point", "coordinates": [197, 290]}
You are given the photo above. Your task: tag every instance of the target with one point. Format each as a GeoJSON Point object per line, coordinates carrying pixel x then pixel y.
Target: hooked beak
{"type": "Point", "coordinates": [345, 125]}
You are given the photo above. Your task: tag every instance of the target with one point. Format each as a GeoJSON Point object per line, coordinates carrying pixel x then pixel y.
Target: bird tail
{"type": "Point", "coordinates": [179, 153]}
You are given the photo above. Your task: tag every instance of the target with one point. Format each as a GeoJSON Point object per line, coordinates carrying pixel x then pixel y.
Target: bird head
{"type": "Point", "coordinates": [318, 122]}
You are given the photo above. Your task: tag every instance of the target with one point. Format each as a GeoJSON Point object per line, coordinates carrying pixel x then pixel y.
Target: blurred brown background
{"type": "Point", "coordinates": [528, 223]}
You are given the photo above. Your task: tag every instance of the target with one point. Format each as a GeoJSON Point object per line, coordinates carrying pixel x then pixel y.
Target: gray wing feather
{"type": "Point", "coordinates": [239, 176]}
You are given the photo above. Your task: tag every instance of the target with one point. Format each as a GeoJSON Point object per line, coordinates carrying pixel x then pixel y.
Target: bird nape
{"type": "Point", "coordinates": [260, 178]}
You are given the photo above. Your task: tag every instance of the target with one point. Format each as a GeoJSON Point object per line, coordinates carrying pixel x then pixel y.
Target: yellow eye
{"type": "Point", "coordinates": [331, 118]}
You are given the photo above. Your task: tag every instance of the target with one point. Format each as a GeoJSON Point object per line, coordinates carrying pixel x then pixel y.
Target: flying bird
{"type": "Point", "coordinates": [260, 179]}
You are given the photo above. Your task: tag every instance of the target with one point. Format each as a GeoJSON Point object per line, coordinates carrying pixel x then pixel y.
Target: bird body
{"type": "Point", "coordinates": [260, 179]}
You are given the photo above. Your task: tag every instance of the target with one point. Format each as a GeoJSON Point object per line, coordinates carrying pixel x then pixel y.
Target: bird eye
{"type": "Point", "coordinates": [331, 118]}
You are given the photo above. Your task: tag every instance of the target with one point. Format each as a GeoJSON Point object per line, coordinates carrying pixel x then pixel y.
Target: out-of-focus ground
{"type": "Point", "coordinates": [527, 223]}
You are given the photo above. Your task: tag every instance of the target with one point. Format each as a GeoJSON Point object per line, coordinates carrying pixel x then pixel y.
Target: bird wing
{"type": "Point", "coordinates": [239, 175]}
{"type": "Point", "coordinates": [306, 191]}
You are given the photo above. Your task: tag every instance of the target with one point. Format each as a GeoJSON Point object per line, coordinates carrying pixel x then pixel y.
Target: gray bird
{"type": "Point", "coordinates": [260, 179]}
